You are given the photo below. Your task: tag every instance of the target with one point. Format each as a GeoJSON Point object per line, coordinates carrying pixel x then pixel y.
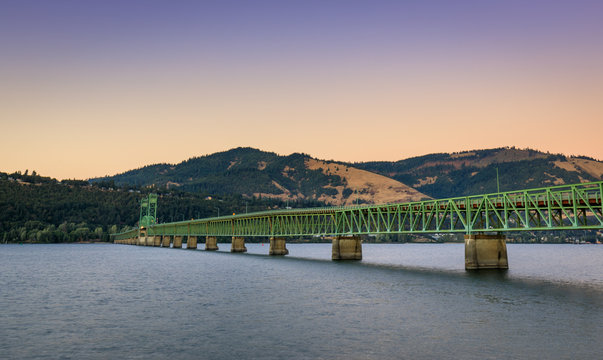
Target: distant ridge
{"type": "Point", "coordinates": [252, 172]}
{"type": "Point", "coordinates": [474, 172]}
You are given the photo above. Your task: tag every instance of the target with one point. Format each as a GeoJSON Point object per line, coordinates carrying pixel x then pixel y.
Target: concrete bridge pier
{"type": "Point", "coordinates": [156, 240]}
{"type": "Point", "coordinates": [142, 238]}
{"type": "Point", "coordinates": [177, 242]}
{"type": "Point", "coordinates": [211, 243]}
{"type": "Point", "coordinates": [238, 244]}
{"type": "Point", "coordinates": [278, 246]}
{"type": "Point", "coordinates": [485, 252]}
{"type": "Point", "coordinates": [347, 248]}
{"type": "Point", "coordinates": [150, 241]}
{"type": "Point", "coordinates": [166, 240]}
{"type": "Point", "coordinates": [191, 242]}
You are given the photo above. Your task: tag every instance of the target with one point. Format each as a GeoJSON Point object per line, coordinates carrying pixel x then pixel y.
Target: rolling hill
{"type": "Point", "coordinates": [255, 173]}
{"type": "Point", "coordinates": [474, 172]}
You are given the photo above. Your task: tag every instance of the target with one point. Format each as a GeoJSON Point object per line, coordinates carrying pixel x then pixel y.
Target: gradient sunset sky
{"type": "Point", "coordinates": [93, 88]}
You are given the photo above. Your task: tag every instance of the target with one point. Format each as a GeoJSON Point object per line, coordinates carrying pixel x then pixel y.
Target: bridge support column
{"type": "Point", "coordinates": [142, 237]}
{"type": "Point", "coordinates": [278, 246]}
{"type": "Point", "coordinates": [347, 248]}
{"type": "Point", "coordinates": [157, 240]}
{"type": "Point", "coordinates": [485, 252]}
{"type": "Point", "coordinates": [211, 243]}
{"type": "Point", "coordinates": [238, 244]}
{"type": "Point", "coordinates": [177, 242]}
{"type": "Point", "coordinates": [165, 241]}
{"type": "Point", "coordinates": [191, 242]}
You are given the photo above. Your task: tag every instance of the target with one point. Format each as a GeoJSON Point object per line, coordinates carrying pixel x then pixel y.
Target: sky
{"type": "Point", "coordinates": [93, 88]}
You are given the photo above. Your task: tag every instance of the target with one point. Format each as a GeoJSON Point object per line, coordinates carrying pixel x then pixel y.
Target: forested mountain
{"type": "Point", "coordinates": [254, 173]}
{"type": "Point", "coordinates": [474, 172]}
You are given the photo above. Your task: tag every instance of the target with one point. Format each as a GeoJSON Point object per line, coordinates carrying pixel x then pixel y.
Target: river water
{"type": "Point", "coordinates": [403, 301]}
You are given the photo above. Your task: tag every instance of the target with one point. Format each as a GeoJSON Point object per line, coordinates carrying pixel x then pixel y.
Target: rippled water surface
{"type": "Point", "coordinates": [410, 301]}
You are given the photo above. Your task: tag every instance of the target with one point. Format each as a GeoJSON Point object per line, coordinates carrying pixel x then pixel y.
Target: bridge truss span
{"type": "Point", "coordinates": [556, 208]}
{"type": "Point", "coordinates": [565, 207]}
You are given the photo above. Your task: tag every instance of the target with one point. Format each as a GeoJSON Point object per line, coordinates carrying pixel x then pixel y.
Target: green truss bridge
{"type": "Point", "coordinates": [484, 219]}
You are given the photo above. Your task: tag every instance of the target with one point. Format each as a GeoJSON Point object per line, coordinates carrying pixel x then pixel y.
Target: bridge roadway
{"type": "Point", "coordinates": [564, 207]}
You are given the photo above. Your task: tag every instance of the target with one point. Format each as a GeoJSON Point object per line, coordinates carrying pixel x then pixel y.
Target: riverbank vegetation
{"type": "Point", "coordinates": [35, 208]}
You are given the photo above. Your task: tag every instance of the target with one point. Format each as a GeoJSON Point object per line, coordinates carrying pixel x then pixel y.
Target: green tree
{"type": "Point", "coordinates": [98, 232]}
